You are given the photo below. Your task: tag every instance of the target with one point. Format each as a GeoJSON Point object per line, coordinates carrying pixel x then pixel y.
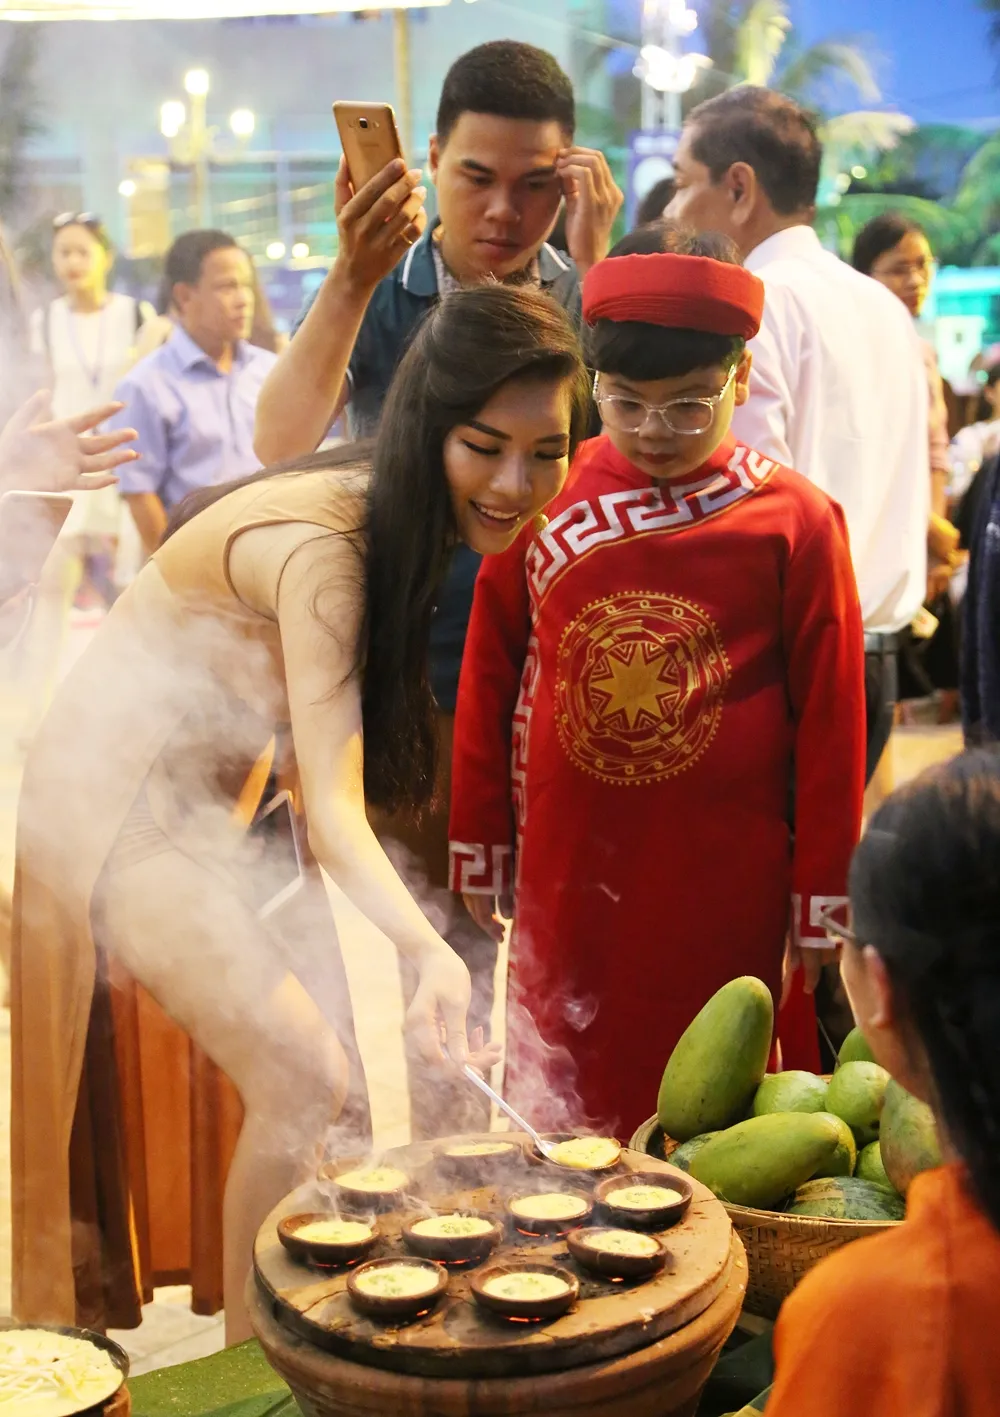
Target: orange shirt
{"type": "Point", "coordinates": [906, 1324]}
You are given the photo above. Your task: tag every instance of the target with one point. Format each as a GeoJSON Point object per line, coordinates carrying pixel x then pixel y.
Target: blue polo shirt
{"type": "Point", "coordinates": [195, 423]}
{"type": "Point", "coordinates": [398, 304]}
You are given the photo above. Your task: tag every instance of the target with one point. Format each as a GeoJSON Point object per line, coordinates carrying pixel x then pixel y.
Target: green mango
{"type": "Point", "coordinates": [761, 1161]}
{"type": "Point", "coordinates": [793, 1091]}
{"type": "Point", "coordinates": [909, 1139]}
{"type": "Point", "coordinates": [856, 1093]}
{"type": "Point", "coordinates": [870, 1167]}
{"type": "Point", "coordinates": [855, 1049]}
{"type": "Point", "coordinates": [719, 1061]}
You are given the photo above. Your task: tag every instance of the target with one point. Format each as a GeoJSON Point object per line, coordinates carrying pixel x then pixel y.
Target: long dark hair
{"type": "Point", "coordinates": [474, 342]}
{"type": "Point", "coordinates": [469, 346]}
{"type": "Point", "coordinates": [925, 890]}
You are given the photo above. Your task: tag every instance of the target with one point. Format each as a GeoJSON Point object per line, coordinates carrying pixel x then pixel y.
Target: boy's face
{"type": "Point", "coordinates": [644, 436]}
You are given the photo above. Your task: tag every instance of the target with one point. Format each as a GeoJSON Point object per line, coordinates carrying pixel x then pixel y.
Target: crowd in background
{"type": "Point", "coordinates": [83, 342]}
{"type": "Point", "coordinates": [823, 373]}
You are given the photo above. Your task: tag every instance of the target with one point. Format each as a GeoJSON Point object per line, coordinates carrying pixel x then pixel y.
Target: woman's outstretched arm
{"type": "Point", "coordinates": [311, 582]}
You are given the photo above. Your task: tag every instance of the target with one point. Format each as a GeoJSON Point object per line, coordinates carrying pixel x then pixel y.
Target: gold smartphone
{"type": "Point", "coordinates": [369, 138]}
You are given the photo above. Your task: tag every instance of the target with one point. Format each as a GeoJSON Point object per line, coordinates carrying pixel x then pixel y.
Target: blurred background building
{"type": "Point", "coordinates": [162, 124]}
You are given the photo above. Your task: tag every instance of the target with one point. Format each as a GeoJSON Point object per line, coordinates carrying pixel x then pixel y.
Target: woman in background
{"type": "Point", "coordinates": [905, 1324]}
{"type": "Point", "coordinates": [894, 250]}
{"type": "Point", "coordinates": [87, 340]}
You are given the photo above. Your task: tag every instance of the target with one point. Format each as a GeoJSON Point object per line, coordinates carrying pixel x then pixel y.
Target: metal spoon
{"type": "Point", "coordinates": [545, 1148]}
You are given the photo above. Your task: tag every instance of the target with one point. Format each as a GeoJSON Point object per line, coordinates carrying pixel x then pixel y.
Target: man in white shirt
{"type": "Point", "coordinates": [838, 389]}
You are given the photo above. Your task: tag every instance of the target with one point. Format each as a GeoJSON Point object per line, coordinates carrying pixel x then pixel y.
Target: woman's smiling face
{"type": "Point", "coordinates": [508, 462]}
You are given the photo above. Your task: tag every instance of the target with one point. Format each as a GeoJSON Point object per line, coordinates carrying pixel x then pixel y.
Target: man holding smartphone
{"type": "Point", "coordinates": [503, 162]}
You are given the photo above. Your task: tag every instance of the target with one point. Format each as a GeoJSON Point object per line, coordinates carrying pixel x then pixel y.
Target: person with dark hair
{"type": "Point", "coordinates": [678, 647]}
{"type": "Point", "coordinates": [294, 605]}
{"type": "Point", "coordinates": [654, 204]}
{"type": "Point", "coordinates": [838, 389]}
{"type": "Point", "coordinates": [193, 400]}
{"type": "Point", "coordinates": [84, 342]}
{"type": "Point", "coordinates": [905, 1322]}
{"type": "Point", "coordinates": [502, 159]}
{"type": "Point", "coordinates": [503, 162]}
{"type": "Point", "coordinates": [894, 250]}
{"type": "Point", "coordinates": [87, 335]}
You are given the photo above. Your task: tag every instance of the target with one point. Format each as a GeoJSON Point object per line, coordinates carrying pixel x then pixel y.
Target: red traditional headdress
{"type": "Point", "coordinates": [679, 292]}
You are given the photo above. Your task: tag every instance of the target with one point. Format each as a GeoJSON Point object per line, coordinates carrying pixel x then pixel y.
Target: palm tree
{"type": "Point", "coordinates": [752, 42]}
{"type": "Point", "coordinates": [992, 8]}
{"type": "Point", "coordinates": [977, 200]}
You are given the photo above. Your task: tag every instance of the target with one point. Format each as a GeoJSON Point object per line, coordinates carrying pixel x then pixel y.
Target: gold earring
{"type": "Point", "coordinates": [540, 522]}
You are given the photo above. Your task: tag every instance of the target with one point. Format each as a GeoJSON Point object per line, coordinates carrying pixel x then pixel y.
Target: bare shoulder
{"type": "Point", "coordinates": [315, 521]}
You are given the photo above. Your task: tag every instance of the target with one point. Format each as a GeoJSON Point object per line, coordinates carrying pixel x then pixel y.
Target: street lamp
{"type": "Point", "coordinates": [173, 116]}
{"type": "Point", "coordinates": [197, 83]}
{"type": "Point", "coordinates": [662, 65]}
{"type": "Point", "coordinates": [242, 122]}
{"type": "Point", "coordinates": [667, 72]}
{"type": "Point", "coordinates": [191, 139]}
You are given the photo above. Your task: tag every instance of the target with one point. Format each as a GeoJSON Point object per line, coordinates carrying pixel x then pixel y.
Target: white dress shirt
{"type": "Point", "coordinates": [838, 391]}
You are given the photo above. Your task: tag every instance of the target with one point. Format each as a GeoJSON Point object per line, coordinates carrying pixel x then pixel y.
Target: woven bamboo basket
{"type": "Point", "coordinates": [781, 1249]}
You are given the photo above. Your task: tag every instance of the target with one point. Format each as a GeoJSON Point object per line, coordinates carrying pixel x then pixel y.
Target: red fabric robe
{"type": "Point", "coordinates": [645, 682]}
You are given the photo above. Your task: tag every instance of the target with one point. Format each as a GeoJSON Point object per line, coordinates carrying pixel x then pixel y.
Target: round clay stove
{"type": "Point", "coordinates": [622, 1349]}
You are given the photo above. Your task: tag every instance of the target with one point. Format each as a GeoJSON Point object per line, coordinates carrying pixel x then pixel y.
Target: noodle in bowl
{"type": "Point", "coordinates": [52, 1372]}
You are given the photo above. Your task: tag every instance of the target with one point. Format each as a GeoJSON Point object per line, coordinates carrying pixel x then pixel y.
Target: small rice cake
{"type": "Point", "coordinates": [526, 1286]}
{"type": "Point", "coordinates": [621, 1242]}
{"type": "Point", "coordinates": [554, 1205]}
{"type": "Point", "coordinates": [586, 1153]}
{"type": "Point", "coordinates": [334, 1232]}
{"type": "Point", "coordinates": [450, 1227]}
{"type": "Point", "coordinates": [468, 1149]}
{"type": "Point", "coordinates": [379, 1180]}
{"type": "Point", "coordinates": [396, 1281]}
{"type": "Point", "coordinates": [642, 1197]}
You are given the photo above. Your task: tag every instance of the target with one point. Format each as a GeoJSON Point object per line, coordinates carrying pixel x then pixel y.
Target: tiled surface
{"type": "Point", "coordinates": [170, 1333]}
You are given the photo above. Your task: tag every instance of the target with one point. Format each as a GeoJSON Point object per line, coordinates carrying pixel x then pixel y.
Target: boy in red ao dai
{"type": "Point", "coordinates": [649, 683]}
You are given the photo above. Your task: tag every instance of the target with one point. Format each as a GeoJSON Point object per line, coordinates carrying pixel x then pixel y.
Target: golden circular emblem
{"type": "Point", "coordinates": [640, 682]}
